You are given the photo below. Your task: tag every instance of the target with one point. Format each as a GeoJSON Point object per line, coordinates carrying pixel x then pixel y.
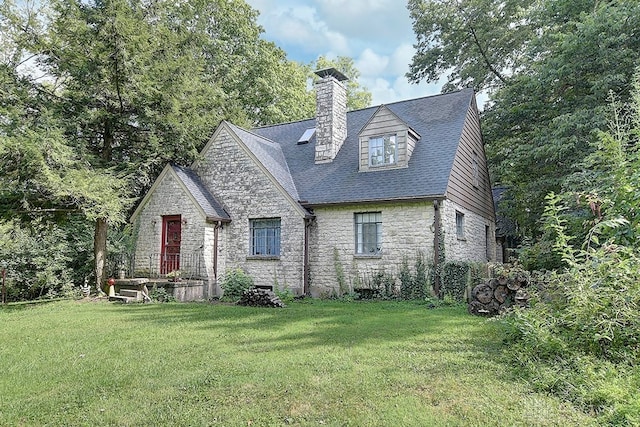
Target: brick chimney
{"type": "Point", "coordinates": [331, 114]}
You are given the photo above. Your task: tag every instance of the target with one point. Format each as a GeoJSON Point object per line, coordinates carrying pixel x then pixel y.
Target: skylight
{"type": "Point", "coordinates": [306, 136]}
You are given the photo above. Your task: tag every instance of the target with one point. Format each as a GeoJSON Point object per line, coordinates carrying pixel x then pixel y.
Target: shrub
{"type": "Point", "coordinates": [456, 276]}
{"type": "Point", "coordinates": [235, 282]}
{"type": "Point", "coordinates": [414, 285]}
{"type": "Point", "coordinates": [580, 339]}
{"type": "Point", "coordinates": [160, 294]}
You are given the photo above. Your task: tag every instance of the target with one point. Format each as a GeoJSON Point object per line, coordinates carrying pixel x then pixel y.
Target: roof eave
{"type": "Point", "coordinates": [376, 201]}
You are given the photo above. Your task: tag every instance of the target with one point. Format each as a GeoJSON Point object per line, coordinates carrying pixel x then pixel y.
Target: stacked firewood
{"type": "Point", "coordinates": [260, 298]}
{"type": "Point", "coordinates": [495, 296]}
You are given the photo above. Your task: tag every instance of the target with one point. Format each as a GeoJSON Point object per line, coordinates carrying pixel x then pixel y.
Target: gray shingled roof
{"type": "Point", "coordinates": [208, 203]}
{"type": "Point", "coordinates": [439, 120]}
{"type": "Point", "coordinates": [271, 156]}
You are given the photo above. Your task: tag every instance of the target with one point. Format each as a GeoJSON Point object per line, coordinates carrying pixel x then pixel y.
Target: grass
{"type": "Point", "coordinates": [313, 363]}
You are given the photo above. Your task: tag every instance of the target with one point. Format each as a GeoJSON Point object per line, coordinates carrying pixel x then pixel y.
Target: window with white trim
{"type": "Point", "coordinates": [368, 229]}
{"type": "Point", "coordinates": [459, 225]}
{"type": "Point", "coordinates": [383, 150]}
{"type": "Point", "coordinates": [265, 237]}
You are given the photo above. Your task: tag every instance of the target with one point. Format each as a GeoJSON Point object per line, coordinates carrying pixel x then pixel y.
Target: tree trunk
{"type": "Point", "coordinates": [100, 252]}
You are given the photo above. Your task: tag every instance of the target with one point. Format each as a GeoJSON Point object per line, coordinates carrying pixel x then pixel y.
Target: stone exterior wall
{"type": "Point", "coordinates": [475, 246]}
{"type": "Point", "coordinates": [169, 198]}
{"type": "Point", "coordinates": [406, 229]}
{"type": "Point", "coordinates": [247, 193]}
{"type": "Point", "coordinates": [331, 120]}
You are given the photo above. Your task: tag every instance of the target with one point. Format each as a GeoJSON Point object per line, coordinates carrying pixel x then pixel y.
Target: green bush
{"type": "Point", "coordinates": [160, 294]}
{"type": "Point", "coordinates": [414, 285]}
{"type": "Point", "coordinates": [235, 282]}
{"type": "Point", "coordinates": [455, 279]}
{"type": "Point", "coordinates": [580, 338]}
{"type": "Point", "coordinates": [42, 261]}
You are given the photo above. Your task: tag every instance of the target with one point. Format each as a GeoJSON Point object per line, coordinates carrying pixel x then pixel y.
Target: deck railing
{"type": "Point", "coordinates": [157, 265]}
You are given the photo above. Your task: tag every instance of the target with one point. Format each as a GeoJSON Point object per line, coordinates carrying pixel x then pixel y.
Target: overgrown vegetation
{"type": "Point", "coordinates": [234, 283]}
{"type": "Point", "coordinates": [581, 337]}
{"type": "Point", "coordinates": [459, 277]}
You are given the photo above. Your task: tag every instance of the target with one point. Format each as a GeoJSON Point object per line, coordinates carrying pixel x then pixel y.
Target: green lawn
{"type": "Point", "coordinates": [314, 363]}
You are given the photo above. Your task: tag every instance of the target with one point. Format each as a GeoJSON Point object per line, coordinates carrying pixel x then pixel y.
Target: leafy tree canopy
{"type": "Point", "coordinates": [357, 96]}
{"type": "Point", "coordinates": [549, 68]}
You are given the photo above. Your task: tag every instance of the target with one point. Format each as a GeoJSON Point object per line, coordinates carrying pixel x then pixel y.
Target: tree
{"type": "Point", "coordinates": [260, 85]}
{"type": "Point", "coordinates": [549, 67]}
{"type": "Point", "coordinates": [135, 84]}
{"type": "Point", "coordinates": [478, 43]}
{"type": "Point", "coordinates": [357, 96]}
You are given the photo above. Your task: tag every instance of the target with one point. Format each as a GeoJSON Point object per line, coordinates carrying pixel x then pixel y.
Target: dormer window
{"type": "Point", "coordinates": [385, 142]}
{"type": "Point", "coordinates": [383, 150]}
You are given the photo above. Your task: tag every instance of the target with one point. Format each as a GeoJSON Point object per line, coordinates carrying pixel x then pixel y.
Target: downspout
{"type": "Point", "coordinates": [436, 247]}
{"type": "Point", "coordinates": [217, 227]}
{"type": "Point", "coordinates": [305, 268]}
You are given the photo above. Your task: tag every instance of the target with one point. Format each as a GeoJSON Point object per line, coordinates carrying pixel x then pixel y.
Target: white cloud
{"type": "Point", "coordinates": [387, 91]}
{"type": "Point", "coordinates": [302, 27]}
{"type": "Point", "coordinates": [371, 64]}
{"type": "Point", "coordinates": [385, 21]}
{"type": "Point", "coordinates": [377, 34]}
{"type": "Point", "coordinates": [400, 59]}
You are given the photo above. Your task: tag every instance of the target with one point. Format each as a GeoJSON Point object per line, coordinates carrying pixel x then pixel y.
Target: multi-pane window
{"type": "Point", "coordinates": [265, 237]}
{"type": "Point", "coordinates": [460, 225]}
{"type": "Point", "coordinates": [368, 232]}
{"type": "Point", "coordinates": [383, 150]}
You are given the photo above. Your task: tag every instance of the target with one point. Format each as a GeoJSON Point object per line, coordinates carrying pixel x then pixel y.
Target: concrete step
{"type": "Point", "coordinates": [131, 293]}
{"type": "Point", "coordinates": [120, 298]}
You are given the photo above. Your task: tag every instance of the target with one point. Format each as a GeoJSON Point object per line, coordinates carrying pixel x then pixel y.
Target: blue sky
{"type": "Point", "coordinates": [377, 34]}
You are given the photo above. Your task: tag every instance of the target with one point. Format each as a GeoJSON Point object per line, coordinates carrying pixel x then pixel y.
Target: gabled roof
{"type": "Point", "coordinates": [439, 120]}
{"type": "Point", "coordinates": [271, 156]}
{"type": "Point", "coordinates": [195, 189]}
{"type": "Point", "coordinates": [383, 107]}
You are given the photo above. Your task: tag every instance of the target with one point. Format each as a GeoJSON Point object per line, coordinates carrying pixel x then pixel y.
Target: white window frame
{"type": "Point", "coordinates": [264, 237]}
{"type": "Point", "coordinates": [368, 226]}
{"type": "Point", "coordinates": [383, 150]}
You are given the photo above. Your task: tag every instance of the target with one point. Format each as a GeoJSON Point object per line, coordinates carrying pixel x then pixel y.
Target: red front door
{"type": "Point", "coordinates": [171, 236]}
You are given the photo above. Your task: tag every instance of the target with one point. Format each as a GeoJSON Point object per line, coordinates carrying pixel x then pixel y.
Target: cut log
{"type": "Point", "coordinates": [513, 284]}
{"type": "Point", "coordinates": [523, 279]}
{"type": "Point", "coordinates": [482, 293]}
{"type": "Point", "coordinates": [502, 280]}
{"type": "Point", "coordinates": [479, 309]}
{"type": "Point", "coordinates": [522, 295]}
{"type": "Point", "coordinates": [260, 298]}
{"type": "Point", "coordinates": [501, 293]}
{"type": "Point", "coordinates": [493, 283]}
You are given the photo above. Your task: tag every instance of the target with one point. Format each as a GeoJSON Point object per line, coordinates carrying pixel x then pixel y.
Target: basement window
{"type": "Point", "coordinates": [383, 150]}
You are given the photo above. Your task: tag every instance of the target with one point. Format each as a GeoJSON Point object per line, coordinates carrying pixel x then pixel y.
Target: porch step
{"type": "Point", "coordinates": [121, 299]}
{"type": "Point", "coordinates": [131, 293]}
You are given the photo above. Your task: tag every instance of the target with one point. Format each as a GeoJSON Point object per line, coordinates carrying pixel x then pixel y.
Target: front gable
{"type": "Point", "coordinates": [263, 157]}
{"type": "Point", "coordinates": [385, 142]}
{"type": "Point", "coordinates": [469, 184]}
{"type": "Point", "coordinates": [167, 185]}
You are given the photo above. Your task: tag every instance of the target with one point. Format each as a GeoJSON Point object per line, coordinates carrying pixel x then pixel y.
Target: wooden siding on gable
{"type": "Point", "coordinates": [384, 122]}
{"type": "Point", "coordinates": [461, 188]}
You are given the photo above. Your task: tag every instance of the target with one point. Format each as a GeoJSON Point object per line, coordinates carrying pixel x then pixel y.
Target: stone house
{"type": "Point", "coordinates": [296, 205]}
